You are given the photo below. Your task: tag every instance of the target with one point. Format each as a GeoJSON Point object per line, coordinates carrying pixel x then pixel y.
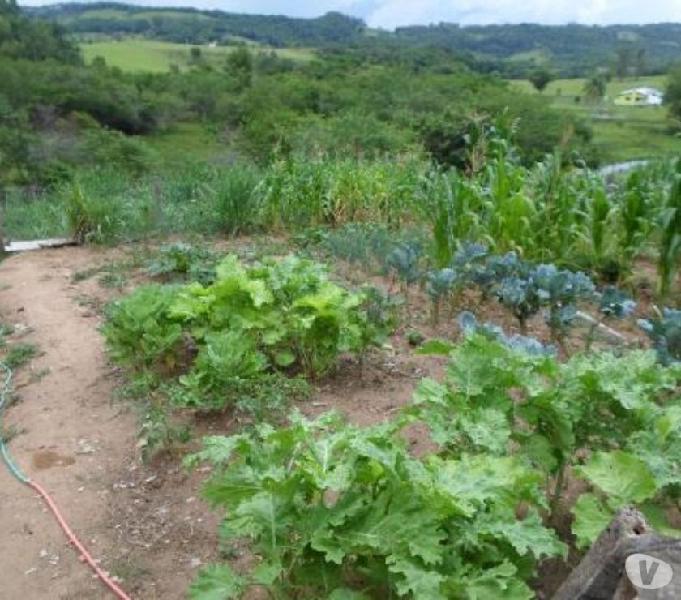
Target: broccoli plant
{"type": "Point", "coordinates": [469, 256]}
{"type": "Point", "coordinates": [521, 297]}
{"type": "Point", "coordinates": [439, 285]}
{"type": "Point", "coordinates": [469, 326]}
{"type": "Point", "coordinates": [560, 290]}
{"type": "Point", "coordinates": [487, 274]}
{"type": "Point", "coordinates": [468, 261]}
{"type": "Point", "coordinates": [613, 302]}
{"type": "Point", "coordinates": [404, 262]}
{"type": "Point", "coordinates": [665, 332]}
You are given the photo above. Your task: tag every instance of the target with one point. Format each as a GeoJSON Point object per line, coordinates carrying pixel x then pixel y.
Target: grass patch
{"type": "Point", "coordinates": [113, 280]}
{"type": "Point", "coordinates": [196, 140]}
{"type": "Point", "coordinates": [19, 354]}
{"type": "Point", "coordinates": [9, 432]}
{"type": "Point", "coordinates": [5, 330]}
{"type": "Point", "coordinates": [34, 218]}
{"type": "Point", "coordinates": [154, 56]}
{"type": "Point", "coordinates": [85, 274]}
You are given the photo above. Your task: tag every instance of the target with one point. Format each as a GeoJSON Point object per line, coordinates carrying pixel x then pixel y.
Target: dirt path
{"type": "Point", "coordinates": [71, 437]}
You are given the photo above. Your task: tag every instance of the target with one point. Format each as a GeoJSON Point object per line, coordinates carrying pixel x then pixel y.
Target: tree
{"type": "Point", "coordinates": [625, 62]}
{"type": "Point", "coordinates": [672, 97]}
{"type": "Point", "coordinates": [595, 87]}
{"type": "Point", "coordinates": [640, 61]}
{"type": "Point", "coordinates": [8, 7]}
{"type": "Point", "coordinates": [239, 65]}
{"type": "Point", "coordinates": [195, 55]}
{"type": "Point", "coordinates": [540, 78]}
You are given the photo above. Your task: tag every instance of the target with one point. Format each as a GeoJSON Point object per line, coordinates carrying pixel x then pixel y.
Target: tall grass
{"type": "Point", "coordinates": [669, 251]}
{"type": "Point", "coordinates": [546, 213]}
{"type": "Point", "coordinates": [33, 217]}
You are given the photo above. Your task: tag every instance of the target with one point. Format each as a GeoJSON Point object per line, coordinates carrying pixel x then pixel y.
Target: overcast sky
{"type": "Point", "coordinates": [392, 13]}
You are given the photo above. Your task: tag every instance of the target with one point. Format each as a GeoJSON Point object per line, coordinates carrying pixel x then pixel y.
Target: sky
{"type": "Point", "coordinates": [388, 14]}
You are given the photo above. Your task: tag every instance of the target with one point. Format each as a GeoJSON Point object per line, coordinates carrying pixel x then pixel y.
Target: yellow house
{"type": "Point", "coordinates": [639, 97]}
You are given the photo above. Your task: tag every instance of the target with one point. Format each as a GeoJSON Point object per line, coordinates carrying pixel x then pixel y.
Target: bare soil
{"type": "Point", "coordinates": [145, 523]}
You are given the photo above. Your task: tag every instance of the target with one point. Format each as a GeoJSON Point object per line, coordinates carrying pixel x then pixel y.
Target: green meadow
{"type": "Point", "coordinates": [620, 133]}
{"type": "Point", "coordinates": [154, 56]}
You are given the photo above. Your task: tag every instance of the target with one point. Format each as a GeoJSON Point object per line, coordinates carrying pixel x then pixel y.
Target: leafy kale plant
{"type": "Point", "coordinates": [335, 511]}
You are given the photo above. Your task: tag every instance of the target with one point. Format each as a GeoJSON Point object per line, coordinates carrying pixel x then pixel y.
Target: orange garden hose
{"type": "Point", "coordinates": [85, 556]}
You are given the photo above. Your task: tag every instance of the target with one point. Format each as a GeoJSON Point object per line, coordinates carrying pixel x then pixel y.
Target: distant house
{"type": "Point", "coordinates": [642, 96]}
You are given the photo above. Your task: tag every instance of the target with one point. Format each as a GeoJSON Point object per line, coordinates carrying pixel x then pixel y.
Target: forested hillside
{"type": "Point", "coordinates": [572, 50]}
{"type": "Point", "coordinates": [60, 116]}
{"type": "Point", "coordinates": [188, 25]}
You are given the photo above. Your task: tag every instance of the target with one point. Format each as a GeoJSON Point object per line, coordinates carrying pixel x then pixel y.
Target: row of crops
{"type": "Point", "coordinates": [546, 213]}
{"type": "Point", "coordinates": [331, 510]}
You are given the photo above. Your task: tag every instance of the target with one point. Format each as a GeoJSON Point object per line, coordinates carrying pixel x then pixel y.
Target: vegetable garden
{"type": "Point", "coordinates": [573, 384]}
{"type": "Point", "coordinates": [375, 303]}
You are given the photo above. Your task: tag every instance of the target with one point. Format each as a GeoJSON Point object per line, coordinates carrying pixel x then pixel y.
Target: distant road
{"type": "Point", "coordinates": [622, 167]}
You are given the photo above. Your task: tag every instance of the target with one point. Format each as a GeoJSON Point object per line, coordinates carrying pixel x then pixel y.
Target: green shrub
{"type": "Point", "coordinates": [183, 261]}
{"type": "Point", "coordinates": [139, 333]}
{"type": "Point", "coordinates": [218, 341]}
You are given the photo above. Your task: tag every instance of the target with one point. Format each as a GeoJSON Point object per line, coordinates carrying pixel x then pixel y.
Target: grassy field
{"type": "Point", "coordinates": [620, 133]}
{"type": "Point", "coordinates": [570, 88]}
{"type": "Point", "coordinates": [192, 140]}
{"type": "Point", "coordinates": [155, 56]}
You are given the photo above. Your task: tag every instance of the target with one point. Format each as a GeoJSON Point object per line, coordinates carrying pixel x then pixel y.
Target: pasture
{"type": "Point", "coordinates": [621, 133]}
{"type": "Point", "coordinates": [154, 56]}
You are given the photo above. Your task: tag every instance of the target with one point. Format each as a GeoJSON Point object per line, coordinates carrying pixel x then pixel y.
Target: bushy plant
{"type": "Point", "coordinates": [337, 511]}
{"type": "Point", "coordinates": [183, 261]}
{"type": "Point", "coordinates": [236, 201]}
{"type": "Point", "coordinates": [354, 514]}
{"type": "Point", "coordinates": [615, 303]}
{"type": "Point", "coordinates": [140, 333]}
{"type": "Point", "coordinates": [497, 396]}
{"type": "Point", "coordinates": [276, 316]}
{"type": "Point", "coordinates": [665, 332]}
{"type": "Point", "coordinates": [91, 219]}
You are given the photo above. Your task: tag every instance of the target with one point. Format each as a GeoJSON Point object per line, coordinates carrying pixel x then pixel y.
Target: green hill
{"type": "Point", "coordinates": [187, 25]}
{"type": "Point", "coordinates": [513, 50]}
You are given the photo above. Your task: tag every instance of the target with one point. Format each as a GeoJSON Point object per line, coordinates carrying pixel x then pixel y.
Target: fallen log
{"type": "Point", "coordinates": [603, 572]}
